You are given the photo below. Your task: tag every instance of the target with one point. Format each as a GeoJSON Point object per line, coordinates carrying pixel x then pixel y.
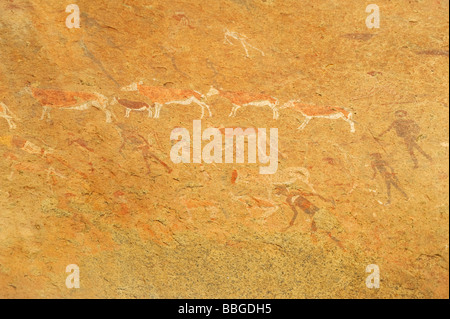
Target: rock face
{"type": "Point", "coordinates": [87, 178]}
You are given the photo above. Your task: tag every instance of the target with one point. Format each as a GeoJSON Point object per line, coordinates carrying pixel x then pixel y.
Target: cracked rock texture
{"type": "Point", "coordinates": [76, 189]}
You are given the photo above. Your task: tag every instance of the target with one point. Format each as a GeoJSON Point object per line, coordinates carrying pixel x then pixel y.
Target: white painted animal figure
{"type": "Point", "coordinates": [328, 112]}
{"type": "Point", "coordinates": [165, 96]}
{"type": "Point", "coordinates": [246, 99]}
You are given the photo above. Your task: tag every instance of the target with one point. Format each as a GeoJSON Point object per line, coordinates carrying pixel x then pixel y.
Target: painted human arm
{"type": "Point", "coordinates": [388, 129]}
{"type": "Point", "coordinates": [375, 171]}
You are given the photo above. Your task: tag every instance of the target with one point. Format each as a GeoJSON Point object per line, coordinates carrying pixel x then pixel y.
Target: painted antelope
{"type": "Point", "coordinates": [7, 115]}
{"type": "Point", "coordinates": [245, 99]}
{"type": "Point", "coordinates": [133, 106]}
{"type": "Point", "coordinates": [165, 96]}
{"type": "Point", "coordinates": [328, 112]}
{"type": "Point", "coordinates": [57, 99]}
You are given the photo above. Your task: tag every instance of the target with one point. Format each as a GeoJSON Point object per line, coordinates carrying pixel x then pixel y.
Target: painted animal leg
{"type": "Point", "coordinates": [8, 119]}
{"type": "Point", "coordinates": [99, 106]}
{"type": "Point", "coordinates": [275, 112]}
{"type": "Point", "coordinates": [127, 114]}
{"type": "Point", "coordinates": [274, 109]}
{"type": "Point", "coordinates": [203, 105]}
{"type": "Point", "coordinates": [232, 111]}
{"type": "Point", "coordinates": [307, 119]}
{"type": "Point", "coordinates": [158, 107]}
{"type": "Point", "coordinates": [193, 100]}
{"type": "Point", "coordinates": [208, 108]}
{"type": "Point", "coordinates": [108, 114]}
{"type": "Point", "coordinates": [203, 111]}
{"type": "Point", "coordinates": [235, 108]}
{"type": "Point", "coordinates": [45, 111]}
{"type": "Point", "coordinates": [11, 123]}
{"type": "Point", "coordinates": [150, 113]}
{"type": "Point", "coordinates": [8, 111]}
{"type": "Point", "coordinates": [352, 124]}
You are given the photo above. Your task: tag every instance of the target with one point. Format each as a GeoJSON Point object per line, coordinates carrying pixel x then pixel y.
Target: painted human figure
{"type": "Point", "coordinates": [321, 220]}
{"type": "Point", "coordinates": [408, 130]}
{"type": "Point", "coordinates": [140, 143]}
{"type": "Point", "coordinates": [296, 199]}
{"type": "Point", "coordinates": [380, 166]}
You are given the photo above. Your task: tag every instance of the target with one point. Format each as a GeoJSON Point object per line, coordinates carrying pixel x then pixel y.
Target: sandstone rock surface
{"type": "Point", "coordinates": [96, 187]}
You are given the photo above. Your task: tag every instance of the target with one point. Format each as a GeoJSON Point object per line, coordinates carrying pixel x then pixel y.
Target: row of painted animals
{"type": "Point", "coordinates": [165, 96]}
{"type": "Point", "coordinates": [161, 96]}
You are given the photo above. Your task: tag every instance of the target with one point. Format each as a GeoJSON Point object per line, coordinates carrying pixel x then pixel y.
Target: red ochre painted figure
{"type": "Point", "coordinates": [408, 130]}
{"type": "Point", "coordinates": [297, 199]}
{"type": "Point", "coordinates": [379, 165]}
